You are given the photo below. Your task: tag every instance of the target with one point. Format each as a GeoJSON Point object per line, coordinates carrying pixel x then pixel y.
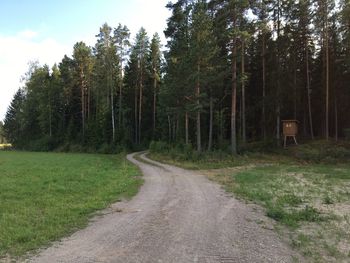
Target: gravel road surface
{"type": "Point", "coordinates": [178, 216]}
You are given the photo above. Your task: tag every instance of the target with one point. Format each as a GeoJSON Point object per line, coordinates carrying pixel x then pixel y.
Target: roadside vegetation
{"type": "Point", "coordinates": [45, 196]}
{"type": "Point", "coordinates": [305, 189]}
{"type": "Point", "coordinates": [5, 146]}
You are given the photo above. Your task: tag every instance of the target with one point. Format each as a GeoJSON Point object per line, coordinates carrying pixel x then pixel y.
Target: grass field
{"type": "Point", "coordinates": [45, 196]}
{"type": "Point", "coordinates": [310, 201]}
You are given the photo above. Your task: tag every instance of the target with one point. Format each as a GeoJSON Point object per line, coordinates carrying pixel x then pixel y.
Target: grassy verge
{"type": "Point", "coordinates": [310, 201]}
{"type": "Point", "coordinates": [313, 201]}
{"type": "Point", "coordinates": [218, 160]}
{"type": "Point", "coordinates": [45, 196]}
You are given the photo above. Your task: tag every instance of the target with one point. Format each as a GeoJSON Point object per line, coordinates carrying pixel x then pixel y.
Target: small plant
{"type": "Point", "coordinates": [332, 250]}
{"type": "Point", "coordinates": [309, 214]}
{"type": "Point", "coordinates": [158, 147]}
{"type": "Point", "coordinates": [301, 241]}
{"type": "Point", "coordinates": [276, 213]}
{"type": "Point", "coordinates": [291, 200]}
{"type": "Point", "coordinates": [328, 200]}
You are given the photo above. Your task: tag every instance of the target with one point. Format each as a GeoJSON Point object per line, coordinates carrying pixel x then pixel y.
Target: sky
{"type": "Point", "coordinates": [44, 31]}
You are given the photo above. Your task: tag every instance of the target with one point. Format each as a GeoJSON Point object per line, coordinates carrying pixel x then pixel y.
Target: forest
{"type": "Point", "coordinates": [230, 72]}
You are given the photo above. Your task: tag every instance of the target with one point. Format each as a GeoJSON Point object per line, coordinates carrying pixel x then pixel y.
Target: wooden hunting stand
{"type": "Point", "coordinates": [290, 129]}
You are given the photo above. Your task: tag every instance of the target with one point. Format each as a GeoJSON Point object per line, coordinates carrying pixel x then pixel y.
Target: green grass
{"type": "Point", "coordinates": [311, 200]}
{"type": "Point", "coordinates": [45, 196]}
{"type": "Point", "coordinates": [275, 188]}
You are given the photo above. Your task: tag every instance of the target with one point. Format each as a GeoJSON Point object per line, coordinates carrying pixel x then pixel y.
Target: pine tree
{"type": "Point", "coordinates": [13, 123]}
{"type": "Point", "coordinates": [121, 39]}
{"type": "Point", "coordinates": [138, 70]}
{"type": "Point", "coordinates": [260, 9]}
{"type": "Point", "coordinates": [108, 70]}
{"type": "Point", "coordinates": [177, 95]}
{"type": "Point", "coordinates": [2, 133]}
{"type": "Point", "coordinates": [233, 13]}
{"type": "Point", "coordinates": [155, 57]}
{"type": "Point", "coordinates": [82, 58]}
{"type": "Point", "coordinates": [324, 8]}
{"type": "Point", "coordinates": [304, 31]}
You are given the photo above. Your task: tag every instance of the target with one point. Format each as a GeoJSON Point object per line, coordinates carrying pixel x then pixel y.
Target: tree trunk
{"type": "Point", "coordinates": [234, 100]}
{"type": "Point", "coordinates": [244, 135]}
{"type": "Point", "coordinates": [88, 102]}
{"type": "Point", "coordinates": [136, 114]}
{"type": "Point", "coordinates": [309, 90]}
{"type": "Point", "coordinates": [140, 104]}
{"type": "Point", "coordinates": [174, 130]}
{"type": "Point", "coordinates": [112, 111]}
{"type": "Point", "coordinates": [327, 76]}
{"type": "Point", "coordinates": [50, 116]}
{"type": "Point", "coordinates": [336, 117]}
{"type": "Point", "coordinates": [186, 127]}
{"type": "Point", "coordinates": [263, 84]}
{"type": "Point", "coordinates": [82, 101]}
{"type": "Point", "coordinates": [169, 126]}
{"type": "Point", "coordinates": [211, 108]}
{"type": "Point", "coordinates": [295, 88]}
{"type": "Point", "coordinates": [198, 130]}
{"type": "Point", "coordinates": [154, 105]}
{"type": "Point", "coordinates": [221, 124]}
{"type": "Point", "coordinates": [278, 106]}
{"type": "Point", "coordinates": [177, 127]}
{"type": "Point", "coordinates": [278, 125]}
{"type": "Point", "coordinates": [120, 98]}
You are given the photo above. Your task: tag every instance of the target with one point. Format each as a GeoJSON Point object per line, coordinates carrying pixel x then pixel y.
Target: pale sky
{"type": "Point", "coordinates": [47, 30]}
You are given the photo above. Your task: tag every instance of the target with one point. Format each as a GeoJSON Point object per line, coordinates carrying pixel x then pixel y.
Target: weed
{"type": "Point", "coordinates": [308, 214]}
{"type": "Point", "coordinates": [291, 199]}
{"type": "Point", "coordinates": [301, 241]}
{"type": "Point", "coordinates": [332, 250]}
{"type": "Point", "coordinates": [328, 200]}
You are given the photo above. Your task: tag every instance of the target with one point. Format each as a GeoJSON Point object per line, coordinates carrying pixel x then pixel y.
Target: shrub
{"type": "Point", "coordinates": [321, 151]}
{"type": "Point", "coordinates": [76, 148]}
{"type": "Point", "coordinates": [159, 147]}
{"type": "Point", "coordinates": [188, 151]}
{"type": "Point", "coordinates": [44, 144]}
{"type": "Point", "coordinates": [265, 146]}
{"type": "Point", "coordinates": [346, 133]}
{"type": "Point", "coordinates": [63, 148]}
{"type": "Point", "coordinates": [105, 148]}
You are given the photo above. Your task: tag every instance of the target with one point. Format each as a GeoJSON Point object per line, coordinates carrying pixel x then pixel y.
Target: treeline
{"type": "Point", "coordinates": [232, 70]}
{"type": "Point", "coordinates": [86, 102]}
{"type": "Point", "coordinates": [2, 133]}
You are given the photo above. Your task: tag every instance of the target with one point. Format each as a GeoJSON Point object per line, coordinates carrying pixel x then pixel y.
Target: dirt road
{"type": "Point", "coordinates": [178, 216]}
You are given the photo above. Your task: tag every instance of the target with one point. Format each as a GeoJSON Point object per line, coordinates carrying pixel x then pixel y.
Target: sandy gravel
{"type": "Point", "coordinates": [178, 216]}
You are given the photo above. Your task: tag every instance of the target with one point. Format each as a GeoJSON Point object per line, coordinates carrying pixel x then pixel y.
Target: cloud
{"type": "Point", "coordinates": [28, 34]}
{"type": "Point", "coordinates": [138, 15]}
{"type": "Point", "coordinates": [17, 49]}
{"type": "Point", "coordinates": [15, 53]}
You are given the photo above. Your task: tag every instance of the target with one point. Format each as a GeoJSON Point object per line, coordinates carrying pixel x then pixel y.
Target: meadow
{"type": "Point", "coordinates": [46, 196]}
